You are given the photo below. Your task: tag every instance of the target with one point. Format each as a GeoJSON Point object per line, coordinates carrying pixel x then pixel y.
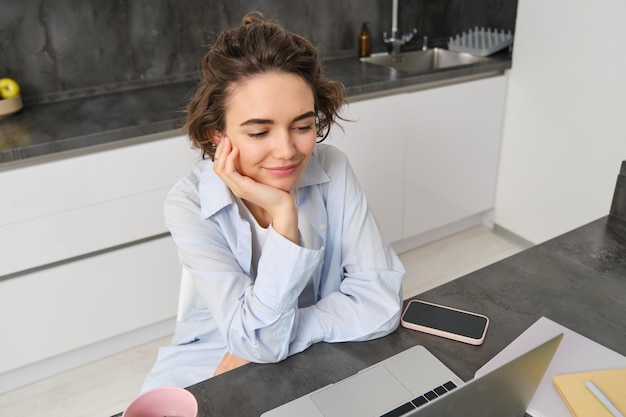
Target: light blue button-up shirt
{"type": "Point", "coordinates": [356, 277]}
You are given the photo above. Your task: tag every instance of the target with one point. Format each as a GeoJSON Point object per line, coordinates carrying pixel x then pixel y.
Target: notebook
{"type": "Point", "coordinates": [415, 383]}
{"type": "Point", "coordinates": [582, 402]}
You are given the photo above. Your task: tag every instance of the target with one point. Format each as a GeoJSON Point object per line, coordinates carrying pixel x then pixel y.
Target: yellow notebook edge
{"type": "Point", "coordinates": [564, 396]}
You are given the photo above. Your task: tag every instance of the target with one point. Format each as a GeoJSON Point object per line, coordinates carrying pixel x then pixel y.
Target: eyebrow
{"type": "Point", "coordinates": [270, 121]}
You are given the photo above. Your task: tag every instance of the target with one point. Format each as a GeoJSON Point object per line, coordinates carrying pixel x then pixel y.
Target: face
{"type": "Point", "coordinates": [271, 119]}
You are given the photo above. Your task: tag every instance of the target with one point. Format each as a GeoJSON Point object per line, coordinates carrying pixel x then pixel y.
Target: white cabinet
{"type": "Point", "coordinates": [78, 205]}
{"type": "Point", "coordinates": [60, 309]}
{"type": "Point", "coordinates": [85, 253]}
{"type": "Point", "coordinates": [452, 150]}
{"type": "Point", "coordinates": [427, 159]}
{"type": "Point", "coordinates": [373, 137]}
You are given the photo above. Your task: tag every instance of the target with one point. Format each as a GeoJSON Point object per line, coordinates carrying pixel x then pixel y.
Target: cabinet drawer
{"type": "Point", "coordinates": [72, 233]}
{"type": "Point", "coordinates": [67, 208]}
{"type": "Point", "coordinates": [51, 187]}
{"type": "Point", "coordinates": [60, 309]}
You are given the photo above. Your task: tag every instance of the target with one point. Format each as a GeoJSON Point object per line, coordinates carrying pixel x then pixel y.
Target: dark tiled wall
{"type": "Point", "coordinates": [62, 48]}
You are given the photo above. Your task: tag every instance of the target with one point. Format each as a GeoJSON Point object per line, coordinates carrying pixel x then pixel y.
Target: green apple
{"type": "Point", "coordinates": [9, 88]}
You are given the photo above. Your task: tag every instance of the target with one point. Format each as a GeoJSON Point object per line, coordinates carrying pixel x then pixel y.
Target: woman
{"type": "Point", "coordinates": [274, 229]}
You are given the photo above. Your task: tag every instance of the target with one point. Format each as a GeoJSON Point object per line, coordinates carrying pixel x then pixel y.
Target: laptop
{"type": "Point", "coordinates": [414, 383]}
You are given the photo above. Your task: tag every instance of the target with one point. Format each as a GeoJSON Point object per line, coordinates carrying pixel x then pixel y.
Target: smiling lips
{"type": "Point", "coordinates": [283, 171]}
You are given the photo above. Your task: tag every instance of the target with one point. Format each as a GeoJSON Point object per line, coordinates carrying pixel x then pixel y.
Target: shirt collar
{"type": "Point", "coordinates": [215, 195]}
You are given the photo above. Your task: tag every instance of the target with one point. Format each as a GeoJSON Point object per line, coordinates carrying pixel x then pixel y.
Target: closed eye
{"type": "Point", "coordinates": [257, 135]}
{"type": "Point", "coordinates": [304, 128]}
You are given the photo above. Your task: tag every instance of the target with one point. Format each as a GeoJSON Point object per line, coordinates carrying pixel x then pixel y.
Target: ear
{"type": "Point", "coordinates": [214, 135]}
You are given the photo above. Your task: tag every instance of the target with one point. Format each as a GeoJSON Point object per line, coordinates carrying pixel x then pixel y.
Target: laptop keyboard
{"type": "Point", "coordinates": [421, 400]}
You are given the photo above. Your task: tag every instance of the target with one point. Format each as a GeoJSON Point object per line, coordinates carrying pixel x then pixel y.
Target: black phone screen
{"type": "Point", "coordinates": [444, 319]}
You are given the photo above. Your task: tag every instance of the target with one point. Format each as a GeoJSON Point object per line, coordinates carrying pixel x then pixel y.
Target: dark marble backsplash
{"type": "Point", "coordinates": [59, 49]}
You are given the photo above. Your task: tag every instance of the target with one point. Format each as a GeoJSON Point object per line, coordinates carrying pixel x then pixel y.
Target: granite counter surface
{"type": "Point", "coordinates": [77, 124]}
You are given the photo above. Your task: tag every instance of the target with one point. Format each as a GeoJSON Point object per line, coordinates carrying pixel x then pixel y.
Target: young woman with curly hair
{"type": "Point", "coordinates": [272, 225]}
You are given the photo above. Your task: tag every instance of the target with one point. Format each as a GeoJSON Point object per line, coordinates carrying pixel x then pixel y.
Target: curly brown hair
{"type": "Point", "coordinates": [256, 47]}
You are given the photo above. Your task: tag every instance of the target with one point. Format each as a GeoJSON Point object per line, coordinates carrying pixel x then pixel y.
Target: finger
{"type": "Point", "coordinates": [221, 151]}
{"type": "Point", "coordinates": [218, 150]}
{"type": "Point", "coordinates": [231, 159]}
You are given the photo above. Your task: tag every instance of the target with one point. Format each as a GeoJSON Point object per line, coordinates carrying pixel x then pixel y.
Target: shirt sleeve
{"type": "Point", "coordinates": [256, 318]}
{"type": "Point", "coordinates": [367, 301]}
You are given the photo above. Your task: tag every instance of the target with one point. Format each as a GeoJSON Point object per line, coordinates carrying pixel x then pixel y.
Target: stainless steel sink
{"type": "Point", "coordinates": [424, 61]}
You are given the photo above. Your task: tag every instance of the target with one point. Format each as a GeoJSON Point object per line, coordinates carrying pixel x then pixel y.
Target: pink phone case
{"type": "Point", "coordinates": [442, 333]}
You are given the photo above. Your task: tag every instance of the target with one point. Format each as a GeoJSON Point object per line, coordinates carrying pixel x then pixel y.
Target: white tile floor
{"type": "Point", "coordinates": [105, 387]}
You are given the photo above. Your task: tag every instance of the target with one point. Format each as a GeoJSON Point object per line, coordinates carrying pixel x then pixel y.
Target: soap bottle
{"type": "Point", "coordinates": [365, 42]}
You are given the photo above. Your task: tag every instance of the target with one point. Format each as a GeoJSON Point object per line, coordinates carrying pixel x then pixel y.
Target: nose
{"type": "Point", "coordinates": [284, 145]}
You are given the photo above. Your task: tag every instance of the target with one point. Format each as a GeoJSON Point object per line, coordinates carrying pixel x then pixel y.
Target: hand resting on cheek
{"type": "Point", "coordinates": [266, 203]}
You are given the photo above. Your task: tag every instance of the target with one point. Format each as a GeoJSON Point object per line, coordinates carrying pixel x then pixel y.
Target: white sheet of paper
{"type": "Point", "coordinates": [576, 353]}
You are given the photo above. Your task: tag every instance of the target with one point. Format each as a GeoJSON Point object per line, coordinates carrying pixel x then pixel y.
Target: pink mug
{"type": "Point", "coordinates": [163, 402]}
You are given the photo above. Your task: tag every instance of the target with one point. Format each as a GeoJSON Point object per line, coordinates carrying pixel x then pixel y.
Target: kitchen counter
{"type": "Point", "coordinates": [123, 117]}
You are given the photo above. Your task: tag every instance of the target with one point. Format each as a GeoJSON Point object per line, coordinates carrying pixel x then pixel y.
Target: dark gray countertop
{"type": "Point", "coordinates": [47, 129]}
{"type": "Point", "coordinates": [577, 280]}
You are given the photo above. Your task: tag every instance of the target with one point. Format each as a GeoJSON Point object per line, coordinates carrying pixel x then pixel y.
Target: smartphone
{"type": "Point", "coordinates": [447, 322]}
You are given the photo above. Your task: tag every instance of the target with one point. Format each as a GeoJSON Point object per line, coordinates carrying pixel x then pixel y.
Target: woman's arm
{"type": "Point", "coordinates": [361, 294]}
{"type": "Point", "coordinates": [256, 318]}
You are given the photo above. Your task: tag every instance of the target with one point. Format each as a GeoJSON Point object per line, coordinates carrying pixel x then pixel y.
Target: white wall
{"type": "Point", "coordinates": [564, 134]}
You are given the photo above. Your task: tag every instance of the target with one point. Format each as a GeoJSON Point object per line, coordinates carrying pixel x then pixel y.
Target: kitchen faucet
{"type": "Point", "coordinates": [396, 39]}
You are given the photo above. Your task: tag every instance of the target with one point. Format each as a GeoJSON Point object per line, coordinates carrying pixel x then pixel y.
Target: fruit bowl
{"type": "Point", "coordinates": [8, 106]}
